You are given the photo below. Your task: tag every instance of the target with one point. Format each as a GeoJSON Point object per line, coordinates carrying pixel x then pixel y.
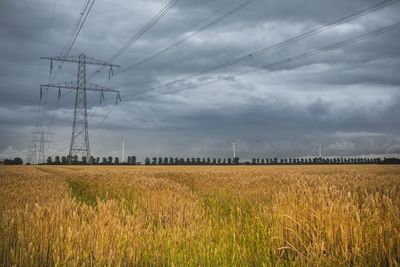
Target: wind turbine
{"type": "Point", "coordinates": [319, 150]}
{"type": "Point", "coordinates": [234, 149]}
{"type": "Point", "coordinates": [123, 149]}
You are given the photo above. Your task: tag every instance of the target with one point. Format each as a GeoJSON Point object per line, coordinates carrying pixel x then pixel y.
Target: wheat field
{"type": "Point", "coordinates": [200, 216]}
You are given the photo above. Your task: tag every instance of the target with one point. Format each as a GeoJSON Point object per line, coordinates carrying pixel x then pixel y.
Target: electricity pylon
{"type": "Point", "coordinates": [80, 134]}
{"type": "Point", "coordinates": [37, 145]}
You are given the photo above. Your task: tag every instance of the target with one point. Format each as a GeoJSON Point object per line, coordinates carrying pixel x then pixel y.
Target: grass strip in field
{"type": "Point", "coordinates": [82, 192]}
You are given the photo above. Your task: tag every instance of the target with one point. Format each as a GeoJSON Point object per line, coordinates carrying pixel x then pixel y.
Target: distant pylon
{"type": "Point", "coordinates": [80, 145]}
{"type": "Point", "coordinates": [37, 145]}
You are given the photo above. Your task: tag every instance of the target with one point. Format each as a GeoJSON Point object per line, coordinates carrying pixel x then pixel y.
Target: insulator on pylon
{"type": "Point", "coordinates": [118, 99]}
{"type": "Point", "coordinates": [110, 72]}
{"type": "Point", "coordinates": [102, 98]}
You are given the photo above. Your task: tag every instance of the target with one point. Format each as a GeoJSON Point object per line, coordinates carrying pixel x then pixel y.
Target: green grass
{"type": "Point", "coordinates": [82, 192]}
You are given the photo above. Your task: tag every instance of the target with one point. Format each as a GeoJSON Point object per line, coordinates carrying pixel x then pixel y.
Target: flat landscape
{"type": "Point", "coordinates": [200, 216]}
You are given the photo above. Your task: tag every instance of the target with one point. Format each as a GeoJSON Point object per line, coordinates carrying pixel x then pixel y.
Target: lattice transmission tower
{"type": "Point", "coordinates": [80, 145]}
{"type": "Point", "coordinates": [37, 145]}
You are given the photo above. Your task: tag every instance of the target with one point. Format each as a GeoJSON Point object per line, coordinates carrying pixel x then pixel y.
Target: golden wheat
{"type": "Point", "coordinates": [200, 216]}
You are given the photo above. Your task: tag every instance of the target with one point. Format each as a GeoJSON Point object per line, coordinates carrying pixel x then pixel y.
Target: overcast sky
{"type": "Point", "coordinates": [347, 99]}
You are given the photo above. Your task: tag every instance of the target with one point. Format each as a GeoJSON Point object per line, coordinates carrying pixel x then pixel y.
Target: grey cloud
{"type": "Point", "coordinates": [346, 99]}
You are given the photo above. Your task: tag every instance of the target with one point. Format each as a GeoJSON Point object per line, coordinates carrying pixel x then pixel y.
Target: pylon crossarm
{"type": "Point", "coordinates": [74, 86]}
{"type": "Point", "coordinates": [77, 59]}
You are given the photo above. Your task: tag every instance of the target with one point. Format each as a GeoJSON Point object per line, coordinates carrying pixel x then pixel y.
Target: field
{"type": "Point", "coordinates": [200, 216]}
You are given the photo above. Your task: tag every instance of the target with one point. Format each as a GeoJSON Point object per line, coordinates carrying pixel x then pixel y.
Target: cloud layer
{"type": "Point", "coordinates": [346, 99]}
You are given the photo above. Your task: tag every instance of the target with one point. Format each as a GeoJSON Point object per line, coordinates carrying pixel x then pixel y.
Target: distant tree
{"type": "Point", "coordinates": [75, 159]}
{"type": "Point", "coordinates": [160, 160]}
{"type": "Point", "coordinates": [104, 160]}
{"type": "Point", "coordinates": [171, 161]}
{"type": "Point", "coordinates": [92, 160]}
{"type": "Point", "coordinates": [133, 160]}
{"type": "Point", "coordinates": [147, 161]}
{"type": "Point", "coordinates": [110, 160]}
{"type": "Point", "coordinates": [219, 161]}
{"type": "Point", "coordinates": [116, 161]}
{"type": "Point", "coordinates": [203, 161]}
{"type": "Point", "coordinates": [176, 161]}
{"type": "Point", "coordinates": [253, 161]}
{"type": "Point", "coordinates": [15, 161]}
{"type": "Point", "coordinates": [165, 162]}
{"type": "Point", "coordinates": [154, 161]}
{"type": "Point", "coordinates": [97, 160]}
{"type": "Point", "coordinates": [49, 160]}
{"type": "Point", "coordinates": [229, 161]}
{"type": "Point", "coordinates": [214, 161]}
{"type": "Point", "coordinates": [187, 162]}
{"type": "Point", "coordinates": [181, 161]}
{"type": "Point", "coordinates": [236, 160]}
{"type": "Point", "coordinates": [193, 161]}
{"type": "Point", "coordinates": [198, 161]}
{"type": "Point", "coordinates": [57, 160]}
{"type": "Point", "coordinates": [18, 161]}
{"type": "Point", "coordinates": [275, 160]}
{"type": "Point", "coordinates": [64, 160]}
{"type": "Point", "coordinates": [84, 160]}
{"type": "Point", "coordinates": [286, 161]}
{"type": "Point", "coordinates": [129, 160]}
{"type": "Point", "coordinates": [258, 161]}
{"type": "Point", "coordinates": [208, 161]}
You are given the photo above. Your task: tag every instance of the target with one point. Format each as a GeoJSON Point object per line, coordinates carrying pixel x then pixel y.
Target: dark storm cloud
{"type": "Point", "coordinates": [346, 99]}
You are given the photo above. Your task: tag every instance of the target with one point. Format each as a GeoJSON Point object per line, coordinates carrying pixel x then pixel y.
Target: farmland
{"type": "Point", "coordinates": [200, 216]}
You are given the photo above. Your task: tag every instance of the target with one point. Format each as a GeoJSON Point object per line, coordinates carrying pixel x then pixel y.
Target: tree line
{"type": "Point", "coordinates": [74, 160]}
{"type": "Point", "coordinates": [316, 160]}
{"type": "Point", "coordinates": [15, 161]}
{"type": "Point", "coordinates": [190, 161]}
{"type": "Point", "coordinates": [131, 160]}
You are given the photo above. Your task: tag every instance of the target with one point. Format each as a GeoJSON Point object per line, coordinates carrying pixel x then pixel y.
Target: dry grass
{"type": "Point", "coordinates": [200, 216]}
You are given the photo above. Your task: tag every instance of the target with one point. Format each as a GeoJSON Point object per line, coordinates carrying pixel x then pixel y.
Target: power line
{"type": "Point", "coordinates": [131, 41]}
{"type": "Point", "coordinates": [144, 29]}
{"type": "Point", "coordinates": [289, 41]}
{"type": "Point", "coordinates": [347, 42]}
{"type": "Point", "coordinates": [50, 25]}
{"type": "Point", "coordinates": [140, 33]}
{"type": "Point", "coordinates": [87, 7]}
{"type": "Point", "coordinates": [77, 29]}
{"type": "Point", "coordinates": [225, 13]}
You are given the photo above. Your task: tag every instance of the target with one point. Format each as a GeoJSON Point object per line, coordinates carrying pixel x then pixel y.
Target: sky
{"type": "Point", "coordinates": [346, 99]}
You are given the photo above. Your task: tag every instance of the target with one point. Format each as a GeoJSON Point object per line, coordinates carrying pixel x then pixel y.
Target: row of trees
{"type": "Point", "coordinates": [15, 161]}
{"type": "Point", "coordinates": [190, 161]}
{"type": "Point", "coordinates": [131, 160]}
{"type": "Point", "coordinates": [258, 161]}
{"type": "Point", "coordinates": [74, 160]}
